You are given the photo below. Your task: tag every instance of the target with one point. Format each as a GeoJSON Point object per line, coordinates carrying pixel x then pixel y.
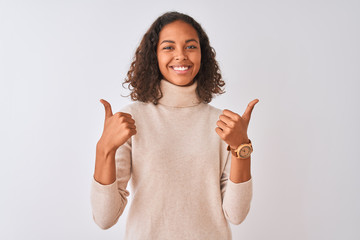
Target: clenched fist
{"type": "Point", "coordinates": [118, 128]}
{"type": "Point", "coordinates": [232, 128]}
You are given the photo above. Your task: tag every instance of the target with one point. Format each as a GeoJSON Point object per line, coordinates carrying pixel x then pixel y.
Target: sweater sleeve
{"type": "Point", "coordinates": [236, 196]}
{"type": "Point", "coordinates": [108, 201]}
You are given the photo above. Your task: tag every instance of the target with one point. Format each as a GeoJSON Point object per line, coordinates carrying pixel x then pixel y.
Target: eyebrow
{"type": "Point", "coordinates": [170, 41]}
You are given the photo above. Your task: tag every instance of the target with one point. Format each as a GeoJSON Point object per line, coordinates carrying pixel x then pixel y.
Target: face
{"type": "Point", "coordinates": [179, 53]}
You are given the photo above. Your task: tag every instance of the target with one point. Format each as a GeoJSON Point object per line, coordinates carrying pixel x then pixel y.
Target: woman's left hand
{"type": "Point", "coordinates": [232, 128]}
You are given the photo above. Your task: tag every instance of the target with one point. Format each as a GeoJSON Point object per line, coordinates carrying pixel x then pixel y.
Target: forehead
{"type": "Point", "coordinates": [178, 30]}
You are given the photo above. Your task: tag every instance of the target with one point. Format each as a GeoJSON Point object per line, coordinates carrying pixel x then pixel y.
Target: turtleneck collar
{"type": "Point", "coordinates": [178, 96]}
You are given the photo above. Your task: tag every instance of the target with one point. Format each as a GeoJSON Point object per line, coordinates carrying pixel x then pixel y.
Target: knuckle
{"type": "Point", "coordinates": [219, 132]}
{"type": "Point", "coordinates": [123, 115]}
{"type": "Point", "coordinates": [118, 115]}
{"type": "Point", "coordinates": [127, 131]}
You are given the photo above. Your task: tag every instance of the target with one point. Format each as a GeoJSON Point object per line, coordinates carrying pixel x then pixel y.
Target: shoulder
{"type": "Point", "coordinates": [214, 110]}
{"type": "Point", "coordinates": [135, 107]}
{"type": "Point", "coordinates": [209, 112]}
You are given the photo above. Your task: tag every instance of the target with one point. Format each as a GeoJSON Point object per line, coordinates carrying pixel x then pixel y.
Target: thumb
{"type": "Point", "coordinates": [247, 114]}
{"type": "Point", "coordinates": [108, 111]}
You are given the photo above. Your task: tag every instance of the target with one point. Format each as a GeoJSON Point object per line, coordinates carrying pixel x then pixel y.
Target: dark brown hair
{"type": "Point", "coordinates": [144, 75]}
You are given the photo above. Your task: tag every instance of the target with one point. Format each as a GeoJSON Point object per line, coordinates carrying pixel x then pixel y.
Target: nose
{"type": "Point", "coordinates": [180, 55]}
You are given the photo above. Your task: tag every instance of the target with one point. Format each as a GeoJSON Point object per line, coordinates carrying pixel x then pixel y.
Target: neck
{"type": "Point", "coordinates": [178, 96]}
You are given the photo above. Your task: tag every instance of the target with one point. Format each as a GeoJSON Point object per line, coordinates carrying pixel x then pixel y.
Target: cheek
{"type": "Point", "coordinates": [162, 60]}
{"type": "Point", "coordinates": [197, 57]}
{"type": "Point", "coordinates": [162, 64]}
{"type": "Point", "coordinates": [198, 61]}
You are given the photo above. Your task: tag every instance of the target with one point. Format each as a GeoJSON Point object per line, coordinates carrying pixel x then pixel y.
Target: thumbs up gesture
{"type": "Point", "coordinates": [118, 128]}
{"type": "Point", "coordinates": [232, 128]}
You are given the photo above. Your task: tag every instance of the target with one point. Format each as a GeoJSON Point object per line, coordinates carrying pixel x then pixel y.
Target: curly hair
{"type": "Point", "coordinates": [144, 75]}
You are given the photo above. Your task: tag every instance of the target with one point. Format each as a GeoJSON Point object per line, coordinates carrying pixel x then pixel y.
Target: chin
{"type": "Point", "coordinates": [181, 83]}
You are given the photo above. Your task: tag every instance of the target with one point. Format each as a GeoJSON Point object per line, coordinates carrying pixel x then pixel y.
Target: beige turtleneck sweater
{"type": "Point", "coordinates": [178, 170]}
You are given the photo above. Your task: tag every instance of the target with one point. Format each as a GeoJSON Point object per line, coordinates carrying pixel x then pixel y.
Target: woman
{"type": "Point", "coordinates": [189, 163]}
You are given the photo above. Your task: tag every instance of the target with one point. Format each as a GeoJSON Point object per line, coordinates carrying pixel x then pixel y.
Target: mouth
{"type": "Point", "coordinates": [180, 68]}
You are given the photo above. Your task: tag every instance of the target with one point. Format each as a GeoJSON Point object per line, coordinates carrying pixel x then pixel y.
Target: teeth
{"type": "Point", "coordinates": [181, 68]}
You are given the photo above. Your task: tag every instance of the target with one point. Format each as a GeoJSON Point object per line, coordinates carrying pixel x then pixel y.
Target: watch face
{"type": "Point", "coordinates": [245, 151]}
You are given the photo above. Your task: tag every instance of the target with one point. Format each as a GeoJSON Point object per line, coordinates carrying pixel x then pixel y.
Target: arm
{"type": "Point", "coordinates": [104, 164]}
{"type": "Point", "coordinates": [240, 169]}
{"type": "Point", "coordinates": [112, 168]}
{"type": "Point", "coordinates": [236, 189]}
{"type": "Point", "coordinates": [108, 201]}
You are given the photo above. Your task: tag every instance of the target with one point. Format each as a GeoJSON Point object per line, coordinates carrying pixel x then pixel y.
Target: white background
{"type": "Point", "coordinates": [300, 58]}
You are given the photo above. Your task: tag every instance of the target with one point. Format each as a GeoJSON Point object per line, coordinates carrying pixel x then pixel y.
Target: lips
{"type": "Point", "coordinates": [180, 68]}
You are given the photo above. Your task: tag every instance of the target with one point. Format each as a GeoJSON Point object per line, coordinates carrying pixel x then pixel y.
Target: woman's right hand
{"type": "Point", "coordinates": [118, 128]}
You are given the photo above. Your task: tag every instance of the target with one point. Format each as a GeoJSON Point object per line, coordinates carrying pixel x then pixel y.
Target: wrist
{"type": "Point", "coordinates": [238, 143]}
{"type": "Point", "coordinates": [104, 148]}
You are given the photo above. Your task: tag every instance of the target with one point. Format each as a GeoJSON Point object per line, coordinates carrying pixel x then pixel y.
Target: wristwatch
{"type": "Point", "coordinates": [243, 151]}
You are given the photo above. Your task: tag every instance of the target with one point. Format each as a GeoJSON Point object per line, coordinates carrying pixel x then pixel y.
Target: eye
{"type": "Point", "coordinates": [167, 48]}
{"type": "Point", "coordinates": [191, 47]}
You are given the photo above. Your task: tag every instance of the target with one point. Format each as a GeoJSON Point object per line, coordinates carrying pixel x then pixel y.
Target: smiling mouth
{"type": "Point", "coordinates": [180, 69]}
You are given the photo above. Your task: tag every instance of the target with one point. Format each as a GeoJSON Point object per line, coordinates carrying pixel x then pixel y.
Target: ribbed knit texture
{"type": "Point", "coordinates": [178, 171]}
